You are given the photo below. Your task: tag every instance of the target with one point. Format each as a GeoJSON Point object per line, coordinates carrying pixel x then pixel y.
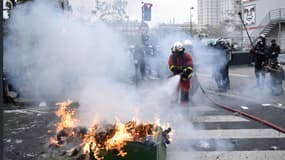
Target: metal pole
{"type": "Point", "coordinates": [279, 33]}
{"type": "Point", "coordinates": [246, 30]}
{"type": "Point", "coordinates": [142, 11]}
{"type": "Point", "coordinates": [191, 23]}
{"type": "Point", "coordinates": [191, 19]}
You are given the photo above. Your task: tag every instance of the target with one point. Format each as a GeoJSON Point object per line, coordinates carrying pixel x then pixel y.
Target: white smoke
{"type": "Point", "coordinates": [51, 55]}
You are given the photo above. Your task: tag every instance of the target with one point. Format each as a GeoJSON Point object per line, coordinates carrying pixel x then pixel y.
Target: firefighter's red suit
{"type": "Point", "coordinates": [181, 63]}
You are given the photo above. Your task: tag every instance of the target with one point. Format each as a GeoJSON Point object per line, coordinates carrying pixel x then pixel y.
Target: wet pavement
{"type": "Point", "coordinates": [26, 129]}
{"type": "Point", "coordinates": [26, 132]}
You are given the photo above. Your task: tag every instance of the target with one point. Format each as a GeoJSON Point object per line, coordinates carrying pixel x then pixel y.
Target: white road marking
{"type": "Point", "coordinates": [231, 133]}
{"type": "Point", "coordinates": [266, 105]}
{"type": "Point", "coordinates": [230, 74]}
{"type": "Point", "coordinates": [239, 75]}
{"type": "Point", "coordinates": [17, 111]}
{"type": "Point", "coordinates": [24, 111]}
{"type": "Point", "coordinates": [201, 109]}
{"type": "Point", "coordinates": [219, 118]}
{"type": "Point", "coordinates": [244, 107]}
{"type": "Point", "coordinates": [227, 155]}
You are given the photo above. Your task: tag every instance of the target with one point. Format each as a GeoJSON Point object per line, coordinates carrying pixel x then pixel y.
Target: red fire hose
{"type": "Point", "coordinates": [269, 124]}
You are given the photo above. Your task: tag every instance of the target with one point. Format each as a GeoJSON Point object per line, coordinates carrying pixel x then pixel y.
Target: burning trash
{"type": "Point", "coordinates": [131, 140]}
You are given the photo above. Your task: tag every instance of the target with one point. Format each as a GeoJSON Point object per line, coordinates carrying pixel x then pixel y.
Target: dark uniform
{"type": "Point", "coordinates": [223, 62]}
{"type": "Point", "coordinates": [276, 78]}
{"type": "Point", "coordinates": [260, 60]}
{"type": "Point", "coordinates": [274, 51]}
{"type": "Point", "coordinates": [276, 71]}
{"type": "Point", "coordinates": [141, 54]}
{"type": "Point", "coordinates": [139, 58]}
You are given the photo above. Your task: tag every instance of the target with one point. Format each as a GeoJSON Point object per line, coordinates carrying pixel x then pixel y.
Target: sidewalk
{"type": "Point", "coordinates": [243, 82]}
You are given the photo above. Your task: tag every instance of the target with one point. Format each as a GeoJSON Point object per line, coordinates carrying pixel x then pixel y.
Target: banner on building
{"type": "Point", "coordinates": [249, 15]}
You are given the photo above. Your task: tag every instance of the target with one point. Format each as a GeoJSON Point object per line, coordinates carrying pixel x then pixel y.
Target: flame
{"type": "Point", "coordinates": [101, 137]}
{"type": "Point", "coordinates": [120, 138]}
{"type": "Point", "coordinates": [67, 116]}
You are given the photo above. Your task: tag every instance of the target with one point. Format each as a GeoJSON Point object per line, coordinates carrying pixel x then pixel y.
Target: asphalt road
{"type": "Point", "coordinates": [217, 134]}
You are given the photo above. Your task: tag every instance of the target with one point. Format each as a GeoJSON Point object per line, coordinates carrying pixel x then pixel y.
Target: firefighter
{"type": "Point", "coordinates": [260, 60]}
{"type": "Point", "coordinates": [180, 63]}
{"type": "Point", "coordinates": [222, 68]}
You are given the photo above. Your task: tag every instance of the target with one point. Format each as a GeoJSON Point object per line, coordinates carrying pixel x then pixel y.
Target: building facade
{"type": "Point", "coordinates": [212, 12]}
{"type": "Point", "coordinates": [265, 17]}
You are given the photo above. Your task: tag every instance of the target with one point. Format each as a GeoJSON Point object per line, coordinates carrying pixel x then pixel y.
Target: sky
{"type": "Point", "coordinates": [165, 10]}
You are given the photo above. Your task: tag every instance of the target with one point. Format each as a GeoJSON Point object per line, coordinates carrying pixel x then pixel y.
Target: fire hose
{"type": "Point", "coordinates": [229, 108]}
{"type": "Point", "coordinates": [250, 116]}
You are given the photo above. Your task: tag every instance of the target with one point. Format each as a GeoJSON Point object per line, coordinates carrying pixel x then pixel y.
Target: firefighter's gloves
{"type": "Point", "coordinates": [175, 70]}
{"type": "Point", "coordinates": [187, 73]}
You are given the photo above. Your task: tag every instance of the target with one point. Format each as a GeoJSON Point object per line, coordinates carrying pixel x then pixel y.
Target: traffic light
{"type": "Point", "coordinates": [147, 11]}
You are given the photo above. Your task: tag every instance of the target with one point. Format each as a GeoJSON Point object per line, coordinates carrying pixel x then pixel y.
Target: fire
{"type": "Point", "coordinates": [119, 139]}
{"type": "Point", "coordinates": [103, 137]}
{"type": "Point", "coordinates": [67, 116]}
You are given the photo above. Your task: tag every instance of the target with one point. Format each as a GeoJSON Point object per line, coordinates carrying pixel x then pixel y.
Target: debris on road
{"type": "Point", "coordinates": [107, 140]}
{"type": "Point", "coordinates": [244, 107]}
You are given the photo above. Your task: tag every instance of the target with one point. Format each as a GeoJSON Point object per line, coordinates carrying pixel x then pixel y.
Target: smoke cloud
{"type": "Point", "coordinates": [50, 55]}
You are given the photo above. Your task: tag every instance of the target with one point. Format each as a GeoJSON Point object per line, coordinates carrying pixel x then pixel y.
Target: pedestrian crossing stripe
{"type": "Point", "coordinates": [230, 133]}
{"type": "Point", "coordinates": [218, 118]}
{"type": "Point", "coordinates": [201, 109]}
{"type": "Point", "coordinates": [227, 155]}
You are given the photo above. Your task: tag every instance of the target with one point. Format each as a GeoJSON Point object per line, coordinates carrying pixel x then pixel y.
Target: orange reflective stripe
{"type": "Point", "coordinates": [190, 75]}
{"type": "Point", "coordinates": [172, 66]}
{"type": "Point", "coordinates": [189, 67]}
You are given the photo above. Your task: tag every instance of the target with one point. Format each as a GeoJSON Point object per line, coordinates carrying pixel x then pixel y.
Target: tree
{"type": "Point", "coordinates": [114, 10]}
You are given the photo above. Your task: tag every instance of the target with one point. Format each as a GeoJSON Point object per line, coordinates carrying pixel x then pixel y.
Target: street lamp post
{"type": "Point", "coordinates": [191, 8]}
{"type": "Point", "coordinates": [142, 11]}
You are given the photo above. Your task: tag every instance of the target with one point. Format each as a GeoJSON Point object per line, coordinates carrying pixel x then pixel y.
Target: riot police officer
{"type": "Point", "coordinates": [260, 60]}
{"type": "Point", "coordinates": [274, 51]}
{"type": "Point", "coordinates": [223, 62]}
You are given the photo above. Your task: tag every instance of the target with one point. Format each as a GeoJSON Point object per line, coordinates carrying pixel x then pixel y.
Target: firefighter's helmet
{"type": "Point", "coordinates": [177, 47]}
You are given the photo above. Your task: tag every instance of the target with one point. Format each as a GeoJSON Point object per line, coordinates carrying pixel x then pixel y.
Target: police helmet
{"type": "Point", "coordinates": [221, 42]}
{"type": "Point", "coordinates": [259, 41]}
{"type": "Point", "coordinates": [188, 44]}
